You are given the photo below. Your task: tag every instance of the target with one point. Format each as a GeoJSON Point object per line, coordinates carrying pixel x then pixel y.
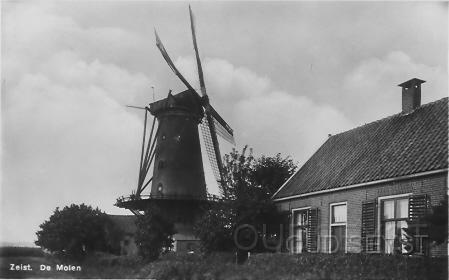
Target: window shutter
{"type": "Point", "coordinates": [369, 225]}
{"type": "Point", "coordinates": [285, 217]}
{"type": "Point", "coordinates": [419, 205]}
{"type": "Point", "coordinates": [312, 230]}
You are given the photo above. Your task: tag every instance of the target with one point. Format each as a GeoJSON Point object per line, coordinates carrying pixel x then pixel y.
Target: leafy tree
{"type": "Point", "coordinates": [437, 222]}
{"type": "Point", "coordinates": [433, 225]}
{"type": "Point", "coordinates": [74, 231]}
{"type": "Point", "coordinates": [154, 233]}
{"type": "Point", "coordinates": [249, 184]}
{"type": "Point", "coordinates": [215, 228]}
{"type": "Point", "coordinates": [269, 173]}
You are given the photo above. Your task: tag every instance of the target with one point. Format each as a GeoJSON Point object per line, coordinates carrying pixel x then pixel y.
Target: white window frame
{"type": "Point", "coordinates": [338, 224]}
{"type": "Point", "coordinates": [379, 218]}
{"type": "Point", "coordinates": [292, 225]}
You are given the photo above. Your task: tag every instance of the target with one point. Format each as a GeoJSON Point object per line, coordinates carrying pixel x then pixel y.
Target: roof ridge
{"type": "Point", "coordinates": [392, 116]}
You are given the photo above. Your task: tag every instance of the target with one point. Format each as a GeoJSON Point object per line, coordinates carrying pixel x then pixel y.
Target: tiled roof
{"type": "Point", "coordinates": [398, 145]}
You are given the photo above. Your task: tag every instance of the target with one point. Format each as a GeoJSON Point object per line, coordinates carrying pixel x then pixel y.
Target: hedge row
{"type": "Point", "coordinates": [11, 251]}
{"type": "Point", "coordinates": [303, 266]}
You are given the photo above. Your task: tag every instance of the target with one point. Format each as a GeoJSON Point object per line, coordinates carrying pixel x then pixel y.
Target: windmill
{"type": "Point", "coordinates": [173, 151]}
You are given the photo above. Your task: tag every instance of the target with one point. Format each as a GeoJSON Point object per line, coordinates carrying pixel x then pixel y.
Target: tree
{"type": "Point", "coordinates": [437, 222]}
{"type": "Point", "coordinates": [432, 226]}
{"type": "Point", "coordinates": [154, 233]}
{"type": "Point", "coordinates": [74, 231]}
{"type": "Point", "coordinates": [215, 228]}
{"type": "Point", "coordinates": [271, 172]}
{"type": "Point", "coordinates": [249, 185]}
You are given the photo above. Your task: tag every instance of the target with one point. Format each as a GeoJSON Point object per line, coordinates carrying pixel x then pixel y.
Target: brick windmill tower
{"type": "Point", "coordinates": [173, 152]}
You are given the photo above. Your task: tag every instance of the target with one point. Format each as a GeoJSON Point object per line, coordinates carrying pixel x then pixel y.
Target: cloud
{"type": "Point", "coordinates": [34, 33]}
{"type": "Point", "coordinates": [66, 144]}
{"type": "Point", "coordinates": [372, 85]}
{"type": "Point", "coordinates": [266, 118]}
{"type": "Point", "coordinates": [67, 135]}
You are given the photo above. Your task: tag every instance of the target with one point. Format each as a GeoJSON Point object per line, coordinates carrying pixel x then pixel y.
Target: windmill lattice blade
{"type": "Point", "coordinates": [198, 61]}
{"type": "Point", "coordinates": [170, 63]}
{"type": "Point", "coordinates": [223, 132]}
{"type": "Point", "coordinates": [210, 148]}
{"type": "Point", "coordinates": [222, 128]}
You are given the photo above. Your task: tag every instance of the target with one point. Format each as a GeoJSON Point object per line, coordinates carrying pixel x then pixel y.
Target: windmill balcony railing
{"type": "Point", "coordinates": [134, 197]}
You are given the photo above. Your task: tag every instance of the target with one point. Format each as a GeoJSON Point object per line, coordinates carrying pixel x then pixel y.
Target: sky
{"type": "Point", "coordinates": [284, 75]}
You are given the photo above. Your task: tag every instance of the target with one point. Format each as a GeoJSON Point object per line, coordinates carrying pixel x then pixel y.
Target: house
{"type": "Point", "coordinates": [126, 225]}
{"type": "Point", "coordinates": [365, 190]}
{"type": "Point", "coordinates": [122, 236]}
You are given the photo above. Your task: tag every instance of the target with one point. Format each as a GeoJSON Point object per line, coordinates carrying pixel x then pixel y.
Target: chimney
{"type": "Point", "coordinates": [411, 94]}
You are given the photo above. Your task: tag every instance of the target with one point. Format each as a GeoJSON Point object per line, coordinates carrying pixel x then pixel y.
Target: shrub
{"type": "Point", "coordinates": [301, 266]}
{"type": "Point", "coordinates": [21, 252]}
{"type": "Point", "coordinates": [104, 266]}
{"type": "Point", "coordinates": [154, 231]}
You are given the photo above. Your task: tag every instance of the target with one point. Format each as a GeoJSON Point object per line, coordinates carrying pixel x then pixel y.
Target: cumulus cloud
{"type": "Point", "coordinates": [67, 136]}
{"type": "Point", "coordinates": [372, 85]}
{"type": "Point", "coordinates": [266, 118]}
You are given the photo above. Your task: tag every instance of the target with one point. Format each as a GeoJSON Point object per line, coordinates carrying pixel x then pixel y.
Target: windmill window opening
{"type": "Point", "coordinates": [161, 164]}
{"type": "Point", "coordinates": [159, 187]}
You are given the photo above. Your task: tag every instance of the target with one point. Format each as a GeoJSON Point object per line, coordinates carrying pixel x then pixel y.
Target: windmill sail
{"type": "Point", "coordinates": [208, 126]}
{"type": "Point", "coordinates": [221, 127]}
{"type": "Point", "coordinates": [170, 63]}
{"type": "Point", "coordinates": [210, 149]}
{"type": "Point", "coordinates": [198, 61]}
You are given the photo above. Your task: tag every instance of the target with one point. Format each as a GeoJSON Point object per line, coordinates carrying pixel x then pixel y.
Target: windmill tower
{"type": "Point", "coordinates": [173, 152]}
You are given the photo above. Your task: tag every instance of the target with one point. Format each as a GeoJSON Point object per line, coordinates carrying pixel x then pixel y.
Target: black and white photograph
{"type": "Point", "coordinates": [216, 140]}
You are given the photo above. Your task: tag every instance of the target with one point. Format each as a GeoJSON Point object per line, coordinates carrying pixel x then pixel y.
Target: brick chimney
{"type": "Point", "coordinates": [411, 94]}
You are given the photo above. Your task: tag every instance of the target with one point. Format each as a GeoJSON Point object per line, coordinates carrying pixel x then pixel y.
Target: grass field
{"type": "Point", "coordinates": [222, 266]}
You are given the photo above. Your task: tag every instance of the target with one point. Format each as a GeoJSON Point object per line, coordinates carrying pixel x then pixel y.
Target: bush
{"type": "Point", "coordinates": [21, 252]}
{"type": "Point", "coordinates": [104, 266]}
{"type": "Point", "coordinates": [301, 266]}
{"type": "Point", "coordinates": [154, 231]}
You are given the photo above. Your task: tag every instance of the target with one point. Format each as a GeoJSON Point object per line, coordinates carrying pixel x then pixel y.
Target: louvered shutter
{"type": "Point", "coordinates": [312, 230]}
{"type": "Point", "coordinates": [419, 205]}
{"type": "Point", "coordinates": [369, 226]}
{"type": "Point", "coordinates": [285, 217]}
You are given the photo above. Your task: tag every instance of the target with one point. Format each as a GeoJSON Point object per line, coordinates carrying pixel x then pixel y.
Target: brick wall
{"type": "Point", "coordinates": [433, 185]}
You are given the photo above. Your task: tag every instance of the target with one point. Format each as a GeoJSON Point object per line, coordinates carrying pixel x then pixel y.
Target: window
{"type": "Point", "coordinates": [394, 215]}
{"type": "Point", "coordinates": [304, 230]}
{"type": "Point", "coordinates": [300, 231]}
{"type": "Point", "coordinates": [393, 224]}
{"type": "Point", "coordinates": [337, 226]}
